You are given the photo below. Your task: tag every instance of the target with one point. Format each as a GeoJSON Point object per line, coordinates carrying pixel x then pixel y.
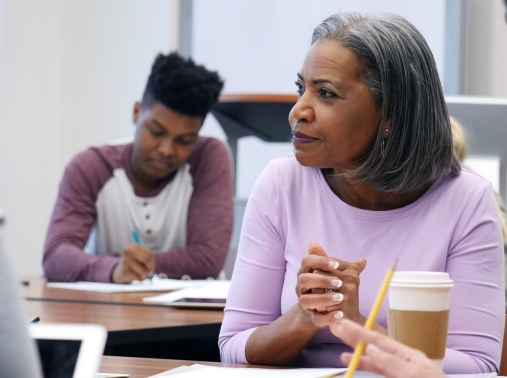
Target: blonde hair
{"type": "Point", "coordinates": [459, 141]}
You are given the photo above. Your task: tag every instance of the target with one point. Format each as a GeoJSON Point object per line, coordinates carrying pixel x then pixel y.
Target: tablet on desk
{"type": "Point", "coordinates": [212, 295]}
{"type": "Point", "coordinates": [198, 302]}
{"type": "Point", "coordinates": [69, 350]}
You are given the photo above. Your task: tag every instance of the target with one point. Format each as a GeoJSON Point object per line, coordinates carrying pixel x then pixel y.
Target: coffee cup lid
{"type": "Point", "coordinates": [421, 279]}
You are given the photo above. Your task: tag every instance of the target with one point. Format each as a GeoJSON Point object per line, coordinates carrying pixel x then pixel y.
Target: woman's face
{"type": "Point", "coordinates": [335, 120]}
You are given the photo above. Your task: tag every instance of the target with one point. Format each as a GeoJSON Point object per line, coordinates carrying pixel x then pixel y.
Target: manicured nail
{"type": "Point", "coordinates": [372, 349]}
{"type": "Point", "coordinates": [338, 297]}
{"type": "Point", "coordinates": [334, 264]}
{"type": "Point", "coordinates": [337, 283]}
{"type": "Point", "coordinates": [338, 315]}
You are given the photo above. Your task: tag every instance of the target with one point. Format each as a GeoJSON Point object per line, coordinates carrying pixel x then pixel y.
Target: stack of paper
{"type": "Point", "coordinates": [197, 370]}
{"type": "Point", "coordinates": [223, 372]}
{"type": "Point", "coordinates": [156, 284]}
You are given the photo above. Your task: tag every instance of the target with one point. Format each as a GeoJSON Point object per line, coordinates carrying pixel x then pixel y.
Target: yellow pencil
{"type": "Point", "coordinates": [370, 321]}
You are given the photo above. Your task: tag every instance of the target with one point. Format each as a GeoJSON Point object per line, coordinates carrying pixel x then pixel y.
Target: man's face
{"type": "Point", "coordinates": [164, 141]}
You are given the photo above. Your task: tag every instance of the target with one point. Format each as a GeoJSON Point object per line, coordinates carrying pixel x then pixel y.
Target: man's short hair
{"type": "Point", "coordinates": [182, 86]}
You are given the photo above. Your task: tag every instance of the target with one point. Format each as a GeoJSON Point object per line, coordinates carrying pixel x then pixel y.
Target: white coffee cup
{"type": "Point", "coordinates": [418, 313]}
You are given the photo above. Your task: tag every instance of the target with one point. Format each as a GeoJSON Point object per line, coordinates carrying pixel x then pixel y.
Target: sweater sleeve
{"type": "Point", "coordinates": [254, 297]}
{"type": "Point", "coordinates": [73, 217]}
{"type": "Point", "coordinates": [475, 263]}
{"type": "Point", "coordinates": [210, 216]}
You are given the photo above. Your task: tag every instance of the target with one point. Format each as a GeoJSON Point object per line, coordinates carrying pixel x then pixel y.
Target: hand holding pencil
{"type": "Point", "coordinates": [137, 263]}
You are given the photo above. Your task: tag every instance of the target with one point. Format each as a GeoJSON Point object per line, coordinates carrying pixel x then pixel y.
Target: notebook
{"type": "Point", "coordinates": [69, 350]}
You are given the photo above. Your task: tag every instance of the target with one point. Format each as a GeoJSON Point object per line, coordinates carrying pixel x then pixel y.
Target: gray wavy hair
{"type": "Point", "coordinates": [400, 72]}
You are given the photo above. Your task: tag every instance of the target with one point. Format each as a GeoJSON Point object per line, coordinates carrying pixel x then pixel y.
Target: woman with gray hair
{"type": "Point", "coordinates": [373, 179]}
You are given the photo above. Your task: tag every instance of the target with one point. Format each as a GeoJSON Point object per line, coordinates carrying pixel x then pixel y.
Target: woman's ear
{"type": "Point", "coordinates": [387, 129]}
{"type": "Point", "coordinates": [136, 112]}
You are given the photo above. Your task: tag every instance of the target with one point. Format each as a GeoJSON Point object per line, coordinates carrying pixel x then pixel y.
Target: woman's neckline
{"type": "Point", "coordinates": [374, 215]}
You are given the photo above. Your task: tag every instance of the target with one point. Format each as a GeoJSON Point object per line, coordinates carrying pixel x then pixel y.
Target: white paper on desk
{"type": "Point", "coordinates": [481, 375]}
{"type": "Point", "coordinates": [223, 372]}
{"type": "Point", "coordinates": [210, 290]}
{"type": "Point", "coordinates": [156, 284]}
{"type": "Point", "coordinates": [198, 370]}
{"type": "Point", "coordinates": [178, 370]}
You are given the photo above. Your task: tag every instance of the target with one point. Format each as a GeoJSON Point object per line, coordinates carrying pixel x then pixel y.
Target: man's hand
{"type": "Point", "coordinates": [137, 263]}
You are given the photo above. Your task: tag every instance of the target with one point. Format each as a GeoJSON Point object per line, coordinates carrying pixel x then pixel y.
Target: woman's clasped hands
{"type": "Point", "coordinates": [328, 288]}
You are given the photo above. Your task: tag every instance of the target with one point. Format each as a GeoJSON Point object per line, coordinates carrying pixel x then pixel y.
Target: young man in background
{"type": "Point", "coordinates": [162, 204]}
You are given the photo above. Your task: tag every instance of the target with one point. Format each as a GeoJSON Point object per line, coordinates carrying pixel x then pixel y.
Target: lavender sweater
{"type": "Point", "coordinates": [208, 228]}
{"type": "Point", "coordinates": [452, 228]}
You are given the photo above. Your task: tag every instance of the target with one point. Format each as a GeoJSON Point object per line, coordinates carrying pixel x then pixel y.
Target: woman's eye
{"type": "Point", "coordinates": [326, 93]}
{"type": "Point", "coordinates": [299, 88]}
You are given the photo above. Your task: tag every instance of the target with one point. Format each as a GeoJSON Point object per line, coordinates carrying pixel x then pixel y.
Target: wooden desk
{"type": "Point", "coordinates": [131, 324]}
{"type": "Point", "coordinates": [37, 290]}
{"type": "Point", "coordinates": [145, 367]}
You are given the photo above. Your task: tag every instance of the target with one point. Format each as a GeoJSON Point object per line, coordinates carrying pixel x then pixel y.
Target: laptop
{"type": "Point", "coordinates": [69, 350]}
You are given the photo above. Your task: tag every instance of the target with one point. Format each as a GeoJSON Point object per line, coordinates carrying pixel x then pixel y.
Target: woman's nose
{"type": "Point", "coordinates": [302, 111]}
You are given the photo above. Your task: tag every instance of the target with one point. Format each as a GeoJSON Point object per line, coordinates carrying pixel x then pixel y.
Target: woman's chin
{"type": "Point", "coordinates": [305, 159]}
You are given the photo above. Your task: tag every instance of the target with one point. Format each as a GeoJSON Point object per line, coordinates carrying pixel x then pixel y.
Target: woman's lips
{"type": "Point", "coordinates": [302, 138]}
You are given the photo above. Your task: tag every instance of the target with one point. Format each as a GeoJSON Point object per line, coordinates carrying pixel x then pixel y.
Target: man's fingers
{"type": "Point", "coordinates": [133, 267]}
{"type": "Point", "coordinates": [141, 255]}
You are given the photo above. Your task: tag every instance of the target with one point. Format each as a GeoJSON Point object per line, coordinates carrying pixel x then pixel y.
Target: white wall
{"type": "Point", "coordinates": [485, 48]}
{"type": "Point", "coordinates": [258, 47]}
{"type": "Point", "coordinates": [69, 74]}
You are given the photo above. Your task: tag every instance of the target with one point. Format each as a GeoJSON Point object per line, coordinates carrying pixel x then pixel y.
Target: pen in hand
{"type": "Point", "coordinates": [137, 240]}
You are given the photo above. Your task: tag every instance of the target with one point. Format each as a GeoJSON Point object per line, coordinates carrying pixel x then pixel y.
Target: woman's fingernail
{"type": "Point", "coordinates": [334, 264]}
{"type": "Point", "coordinates": [338, 297]}
{"type": "Point", "coordinates": [372, 349]}
{"type": "Point", "coordinates": [337, 283]}
{"type": "Point", "coordinates": [338, 315]}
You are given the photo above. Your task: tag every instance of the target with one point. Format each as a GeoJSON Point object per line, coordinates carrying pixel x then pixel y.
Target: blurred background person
{"type": "Point", "coordinates": [460, 146]}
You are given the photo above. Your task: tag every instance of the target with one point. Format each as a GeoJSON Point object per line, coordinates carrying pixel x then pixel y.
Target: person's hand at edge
{"type": "Point", "coordinates": [385, 356]}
